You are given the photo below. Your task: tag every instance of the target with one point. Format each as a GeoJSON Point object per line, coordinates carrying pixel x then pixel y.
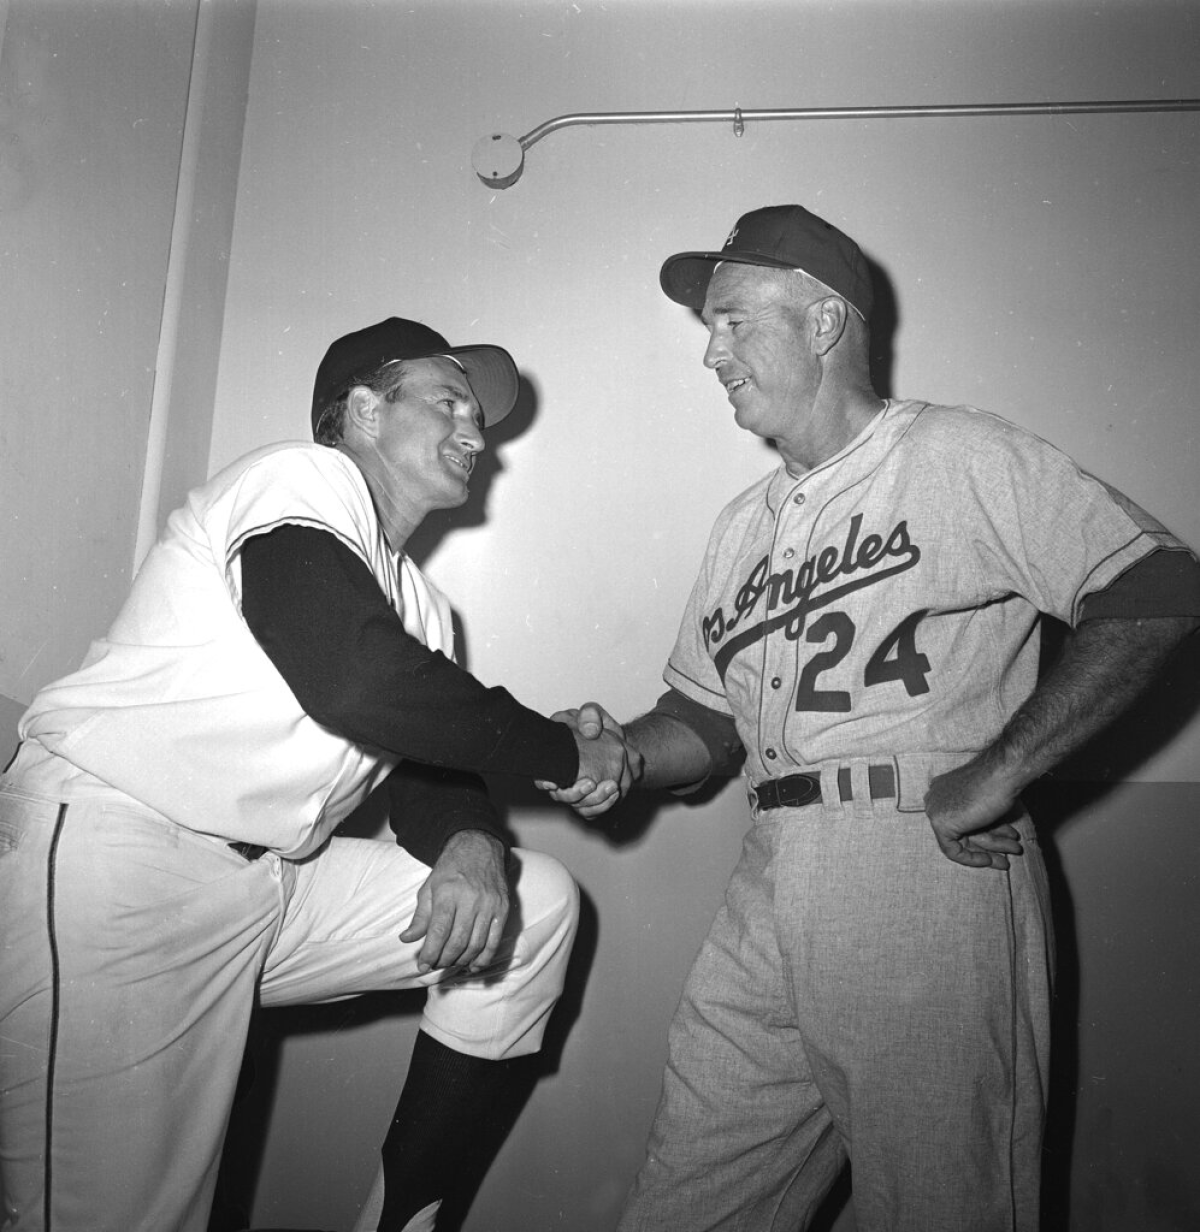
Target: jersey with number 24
{"type": "Point", "coordinates": [887, 601]}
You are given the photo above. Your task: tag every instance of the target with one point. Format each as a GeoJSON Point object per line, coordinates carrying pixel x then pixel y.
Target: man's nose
{"type": "Point", "coordinates": [715, 351]}
{"type": "Point", "coordinates": [470, 436]}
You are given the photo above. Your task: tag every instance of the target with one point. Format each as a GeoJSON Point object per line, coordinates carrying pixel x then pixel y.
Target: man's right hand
{"type": "Point", "coordinates": [608, 767]}
{"type": "Point", "coordinates": [462, 905]}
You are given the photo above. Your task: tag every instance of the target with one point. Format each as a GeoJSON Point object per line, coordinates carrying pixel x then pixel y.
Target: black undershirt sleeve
{"type": "Point", "coordinates": [319, 615]}
{"type": "Point", "coordinates": [427, 804]}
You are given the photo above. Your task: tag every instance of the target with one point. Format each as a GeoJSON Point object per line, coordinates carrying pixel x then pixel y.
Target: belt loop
{"type": "Point", "coordinates": [862, 804]}
{"type": "Point", "coordinates": [913, 772]}
{"type": "Point", "coordinates": [831, 796]}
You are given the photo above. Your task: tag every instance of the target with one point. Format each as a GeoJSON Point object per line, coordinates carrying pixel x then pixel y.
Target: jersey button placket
{"type": "Point", "coordinates": [784, 653]}
{"type": "Point", "coordinates": [779, 661]}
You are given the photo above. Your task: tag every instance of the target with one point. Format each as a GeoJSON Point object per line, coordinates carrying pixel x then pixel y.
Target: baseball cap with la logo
{"type": "Point", "coordinates": [780, 237]}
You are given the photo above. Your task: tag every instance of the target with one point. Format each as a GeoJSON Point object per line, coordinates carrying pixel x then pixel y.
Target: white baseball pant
{"type": "Point", "coordinates": [132, 950]}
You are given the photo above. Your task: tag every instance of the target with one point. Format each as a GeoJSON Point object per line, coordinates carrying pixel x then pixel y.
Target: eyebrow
{"type": "Point", "coordinates": [456, 391]}
{"type": "Point", "coordinates": [463, 396]}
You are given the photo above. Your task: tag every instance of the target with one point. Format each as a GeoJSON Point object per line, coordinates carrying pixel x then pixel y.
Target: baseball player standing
{"type": "Point", "coordinates": [166, 849]}
{"type": "Point", "coordinates": [863, 627]}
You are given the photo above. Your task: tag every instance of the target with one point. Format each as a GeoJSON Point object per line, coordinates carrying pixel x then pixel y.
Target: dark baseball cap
{"type": "Point", "coordinates": [781, 237]}
{"type": "Point", "coordinates": [351, 359]}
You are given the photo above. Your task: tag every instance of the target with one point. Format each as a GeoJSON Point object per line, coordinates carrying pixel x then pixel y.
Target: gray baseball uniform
{"type": "Point", "coordinates": [873, 623]}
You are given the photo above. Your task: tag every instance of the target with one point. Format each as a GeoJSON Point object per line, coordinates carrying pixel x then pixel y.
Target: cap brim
{"type": "Point", "coordinates": [685, 276]}
{"type": "Point", "coordinates": [493, 376]}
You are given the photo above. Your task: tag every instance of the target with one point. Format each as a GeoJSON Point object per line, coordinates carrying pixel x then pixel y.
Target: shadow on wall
{"type": "Point", "coordinates": [1072, 788]}
{"type": "Point", "coordinates": [473, 512]}
{"type": "Point", "coordinates": [885, 320]}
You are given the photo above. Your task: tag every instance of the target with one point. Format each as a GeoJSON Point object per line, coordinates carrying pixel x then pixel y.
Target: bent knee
{"type": "Point", "coordinates": [545, 887]}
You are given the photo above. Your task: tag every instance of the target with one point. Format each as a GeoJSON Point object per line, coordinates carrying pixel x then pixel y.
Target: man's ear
{"type": "Point", "coordinates": [362, 410]}
{"type": "Point", "coordinates": [830, 318]}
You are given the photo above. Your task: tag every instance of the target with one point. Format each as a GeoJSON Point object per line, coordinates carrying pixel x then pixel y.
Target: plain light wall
{"type": "Point", "coordinates": [114, 280]}
{"type": "Point", "coordinates": [92, 120]}
{"type": "Point", "coordinates": [1044, 268]}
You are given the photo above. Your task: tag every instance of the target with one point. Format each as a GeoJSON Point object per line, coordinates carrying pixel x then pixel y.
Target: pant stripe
{"type": "Point", "coordinates": [55, 985]}
{"type": "Point", "coordinates": [1014, 1050]}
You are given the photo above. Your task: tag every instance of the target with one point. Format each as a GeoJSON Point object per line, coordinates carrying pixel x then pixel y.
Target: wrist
{"type": "Point", "coordinates": [1003, 769]}
{"type": "Point", "coordinates": [472, 839]}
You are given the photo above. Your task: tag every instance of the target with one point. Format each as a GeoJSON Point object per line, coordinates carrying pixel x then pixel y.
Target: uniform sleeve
{"type": "Point", "coordinates": [1036, 524]}
{"type": "Point", "coordinates": [312, 486]}
{"type": "Point", "coordinates": [690, 669]}
{"type": "Point", "coordinates": [428, 804]}
{"type": "Point", "coordinates": [1165, 583]}
{"type": "Point", "coordinates": [319, 615]}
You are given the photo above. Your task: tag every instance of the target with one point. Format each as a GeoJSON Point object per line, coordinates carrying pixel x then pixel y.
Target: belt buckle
{"type": "Point", "coordinates": [791, 791]}
{"type": "Point", "coordinates": [810, 794]}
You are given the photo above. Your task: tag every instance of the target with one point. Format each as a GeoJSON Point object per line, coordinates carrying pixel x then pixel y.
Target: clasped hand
{"type": "Point", "coordinates": [608, 765]}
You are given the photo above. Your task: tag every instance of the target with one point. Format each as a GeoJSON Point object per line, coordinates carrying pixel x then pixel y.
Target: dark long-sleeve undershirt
{"type": "Point", "coordinates": [319, 615]}
{"type": "Point", "coordinates": [427, 804]}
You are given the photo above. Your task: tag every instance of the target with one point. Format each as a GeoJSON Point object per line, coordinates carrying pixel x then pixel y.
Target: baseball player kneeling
{"type": "Point", "coordinates": [167, 847]}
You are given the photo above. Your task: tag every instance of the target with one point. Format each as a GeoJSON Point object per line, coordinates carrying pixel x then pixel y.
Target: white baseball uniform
{"type": "Point", "coordinates": [136, 937]}
{"type": "Point", "coordinates": [873, 623]}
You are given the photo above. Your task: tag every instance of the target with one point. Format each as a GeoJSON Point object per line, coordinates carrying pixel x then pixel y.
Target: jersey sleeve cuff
{"type": "Point", "coordinates": [716, 730]}
{"type": "Point", "coordinates": [1165, 582]}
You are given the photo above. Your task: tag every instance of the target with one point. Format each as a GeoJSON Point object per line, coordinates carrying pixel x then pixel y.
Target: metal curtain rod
{"type": "Point", "coordinates": [498, 158]}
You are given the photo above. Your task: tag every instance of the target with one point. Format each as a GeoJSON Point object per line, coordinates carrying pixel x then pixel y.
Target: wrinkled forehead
{"type": "Point", "coordinates": [441, 371]}
{"type": "Point", "coordinates": [738, 284]}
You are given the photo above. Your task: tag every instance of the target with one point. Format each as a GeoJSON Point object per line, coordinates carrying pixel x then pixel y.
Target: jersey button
{"type": "Point", "coordinates": [771, 754]}
{"type": "Point", "coordinates": [775, 682]}
{"type": "Point", "coordinates": [798, 499]}
{"type": "Point", "coordinates": [788, 553]}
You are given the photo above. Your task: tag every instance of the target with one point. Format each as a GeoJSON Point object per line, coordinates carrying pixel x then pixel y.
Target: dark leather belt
{"type": "Point", "coordinates": [797, 790]}
{"type": "Point", "coordinates": [248, 851]}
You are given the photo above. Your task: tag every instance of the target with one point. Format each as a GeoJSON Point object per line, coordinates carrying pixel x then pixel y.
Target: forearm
{"type": "Point", "coordinates": [320, 616]}
{"type": "Point", "coordinates": [673, 754]}
{"type": "Point", "coordinates": [1104, 666]}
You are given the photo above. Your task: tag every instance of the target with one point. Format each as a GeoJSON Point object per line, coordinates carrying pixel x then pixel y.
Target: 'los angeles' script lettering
{"type": "Point", "coordinates": [792, 593]}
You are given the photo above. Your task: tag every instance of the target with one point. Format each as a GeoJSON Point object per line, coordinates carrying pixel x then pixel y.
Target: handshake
{"type": "Point", "coordinates": [608, 765]}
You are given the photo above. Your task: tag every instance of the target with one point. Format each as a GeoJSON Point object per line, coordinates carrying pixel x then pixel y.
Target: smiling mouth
{"type": "Point", "coordinates": [465, 464]}
{"type": "Point", "coordinates": [740, 382]}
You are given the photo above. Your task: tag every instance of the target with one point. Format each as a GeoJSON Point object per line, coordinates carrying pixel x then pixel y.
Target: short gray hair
{"type": "Point", "coordinates": [801, 288]}
{"type": "Point", "coordinates": [387, 381]}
